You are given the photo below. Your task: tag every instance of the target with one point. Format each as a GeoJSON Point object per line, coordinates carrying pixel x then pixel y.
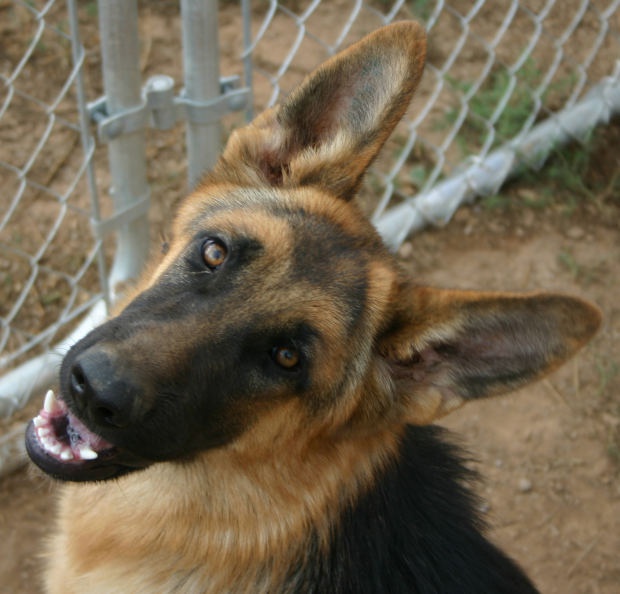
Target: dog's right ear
{"type": "Point", "coordinates": [328, 131]}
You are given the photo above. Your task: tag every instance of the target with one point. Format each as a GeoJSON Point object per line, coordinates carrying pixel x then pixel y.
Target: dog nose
{"type": "Point", "coordinates": [100, 390]}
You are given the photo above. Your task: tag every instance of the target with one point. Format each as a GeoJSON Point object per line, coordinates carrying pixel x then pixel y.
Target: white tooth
{"type": "Point", "coordinates": [50, 404]}
{"type": "Point", "coordinates": [51, 445]}
{"type": "Point", "coordinates": [44, 432]}
{"type": "Point", "coordinates": [39, 421]}
{"type": "Point", "coordinates": [86, 453]}
{"type": "Point", "coordinates": [66, 454]}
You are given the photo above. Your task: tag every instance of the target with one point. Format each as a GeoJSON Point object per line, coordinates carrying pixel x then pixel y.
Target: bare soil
{"type": "Point", "coordinates": [550, 454]}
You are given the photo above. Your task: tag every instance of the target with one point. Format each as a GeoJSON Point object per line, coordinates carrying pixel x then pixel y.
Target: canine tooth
{"type": "Point", "coordinates": [50, 404]}
{"type": "Point", "coordinates": [87, 453]}
{"type": "Point", "coordinates": [39, 421]}
{"type": "Point", "coordinates": [66, 454]}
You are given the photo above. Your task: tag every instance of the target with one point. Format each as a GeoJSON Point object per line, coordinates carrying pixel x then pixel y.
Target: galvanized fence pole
{"type": "Point", "coordinates": [201, 56]}
{"type": "Point", "coordinates": [123, 129]}
{"type": "Point", "coordinates": [248, 75]}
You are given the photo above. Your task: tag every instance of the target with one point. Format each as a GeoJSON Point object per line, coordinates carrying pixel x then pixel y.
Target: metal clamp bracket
{"type": "Point", "coordinates": [160, 109]}
{"type": "Point", "coordinates": [136, 210]}
{"type": "Point", "coordinates": [209, 112]}
{"type": "Point", "coordinates": [124, 122]}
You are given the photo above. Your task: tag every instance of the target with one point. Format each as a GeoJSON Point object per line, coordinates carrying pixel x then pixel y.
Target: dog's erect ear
{"type": "Point", "coordinates": [328, 131]}
{"type": "Point", "coordinates": [448, 347]}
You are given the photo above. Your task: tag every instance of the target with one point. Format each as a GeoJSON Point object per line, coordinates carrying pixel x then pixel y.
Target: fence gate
{"type": "Point", "coordinates": [507, 81]}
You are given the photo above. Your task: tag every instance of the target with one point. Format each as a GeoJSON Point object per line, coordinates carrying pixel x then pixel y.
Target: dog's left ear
{"type": "Point", "coordinates": [328, 131]}
{"type": "Point", "coordinates": [446, 348]}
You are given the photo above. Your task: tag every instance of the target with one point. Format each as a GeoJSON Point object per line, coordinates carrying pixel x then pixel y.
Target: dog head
{"type": "Point", "coordinates": [278, 310]}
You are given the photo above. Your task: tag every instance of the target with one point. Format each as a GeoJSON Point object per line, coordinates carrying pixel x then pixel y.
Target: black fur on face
{"type": "Point", "coordinates": [194, 359]}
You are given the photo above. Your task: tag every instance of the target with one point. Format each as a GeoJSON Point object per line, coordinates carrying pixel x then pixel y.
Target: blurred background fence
{"type": "Point", "coordinates": [99, 99]}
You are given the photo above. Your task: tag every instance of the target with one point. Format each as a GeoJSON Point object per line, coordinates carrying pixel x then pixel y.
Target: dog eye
{"type": "Point", "coordinates": [286, 357]}
{"type": "Point", "coordinates": [214, 253]}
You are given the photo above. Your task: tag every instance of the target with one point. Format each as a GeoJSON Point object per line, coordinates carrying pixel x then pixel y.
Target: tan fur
{"type": "Point", "coordinates": [237, 518]}
{"type": "Point", "coordinates": [247, 510]}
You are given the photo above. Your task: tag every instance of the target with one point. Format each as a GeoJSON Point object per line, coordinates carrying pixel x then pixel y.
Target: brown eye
{"type": "Point", "coordinates": [214, 253]}
{"type": "Point", "coordinates": [286, 357]}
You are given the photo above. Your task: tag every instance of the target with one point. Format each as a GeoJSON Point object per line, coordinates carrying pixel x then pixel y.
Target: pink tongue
{"type": "Point", "coordinates": [96, 442]}
{"type": "Point", "coordinates": [63, 436]}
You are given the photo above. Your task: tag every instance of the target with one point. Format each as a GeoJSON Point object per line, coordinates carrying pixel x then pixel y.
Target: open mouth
{"type": "Point", "coordinates": [63, 447]}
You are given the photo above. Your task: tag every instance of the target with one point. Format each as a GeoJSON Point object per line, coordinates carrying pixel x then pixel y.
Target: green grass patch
{"type": "Point", "coordinates": [502, 105]}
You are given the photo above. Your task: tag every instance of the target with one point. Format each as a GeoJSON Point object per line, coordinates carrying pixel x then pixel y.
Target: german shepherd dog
{"type": "Point", "coordinates": [257, 417]}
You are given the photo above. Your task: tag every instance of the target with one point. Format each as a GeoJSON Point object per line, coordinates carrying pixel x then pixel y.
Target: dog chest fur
{"type": "Point", "coordinates": [382, 539]}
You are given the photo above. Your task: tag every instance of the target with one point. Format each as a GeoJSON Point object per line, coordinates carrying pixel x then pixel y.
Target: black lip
{"type": "Point", "coordinates": [109, 464]}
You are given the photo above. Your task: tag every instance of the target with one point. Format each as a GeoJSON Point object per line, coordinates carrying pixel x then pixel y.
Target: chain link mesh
{"type": "Point", "coordinates": [494, 71]}
{"type": "Point", "coordinates": [47, 253]}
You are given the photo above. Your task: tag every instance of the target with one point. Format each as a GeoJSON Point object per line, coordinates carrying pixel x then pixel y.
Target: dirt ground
{"type": "Point", "coordinates": [550, 454]}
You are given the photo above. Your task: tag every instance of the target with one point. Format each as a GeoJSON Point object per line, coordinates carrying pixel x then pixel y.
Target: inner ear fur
{"type": "Point", "coordinates": [447, 347]}
{"type": "Point", "coordinates": [328, 131]}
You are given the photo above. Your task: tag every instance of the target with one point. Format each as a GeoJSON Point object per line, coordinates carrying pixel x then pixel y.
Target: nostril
{"type": "Point", "coordinates": [109, 416]}
{"type": "Point", "coordinates": [78, 381]}
{"type": "Point", "coordinates": [101, 389]}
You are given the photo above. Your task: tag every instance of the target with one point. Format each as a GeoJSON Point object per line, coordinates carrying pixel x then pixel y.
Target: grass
{"type": "Point", "coordinates": [92, 9]}
{"type": "Point", "coordinates": [50, 298]}
{"type": "Point", "coordinates": [608, 373]}
{"type": "Point", "coordinates": [496, 112]}
{"type": "Point", "coordinates": [567, 168]}
{"type": "Point", "coordinates": [496, 201]}
{"type": "Point", "coordinates": [577, 174]}
{"type": "Point", "coordinates": [483, 117]}
{"type": "Point", "coordinates": [572, 176]}
{"type": "Point", "coordinates": [568, 262]}
{"type": "Point", "coordinates": [422, 9]}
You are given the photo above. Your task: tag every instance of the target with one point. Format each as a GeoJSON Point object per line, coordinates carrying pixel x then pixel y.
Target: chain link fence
{"type": "Point", "coordinates": [49, 195]}
{"type": "Point", "coordinates": [495, 71]}
{"type": "Point", "coordinates": [507, 81]}
{"type": "Point", "coordinates": [51, 269]}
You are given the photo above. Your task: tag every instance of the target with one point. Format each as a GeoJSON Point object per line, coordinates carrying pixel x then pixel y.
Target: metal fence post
{"type": "Point", "coordinates": [248, 74]}
{"type": "Point", "coordinates": [202, 83]}
{"type": "Point", "coordinates": [118, 23]}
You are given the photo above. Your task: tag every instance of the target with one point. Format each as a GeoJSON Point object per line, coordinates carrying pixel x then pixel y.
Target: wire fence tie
{"type": "Point", "coordinates": [161, 110]}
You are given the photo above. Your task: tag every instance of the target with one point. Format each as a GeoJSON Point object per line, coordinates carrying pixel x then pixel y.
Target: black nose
{"type": "Point", "coordinates": [102, 390]}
